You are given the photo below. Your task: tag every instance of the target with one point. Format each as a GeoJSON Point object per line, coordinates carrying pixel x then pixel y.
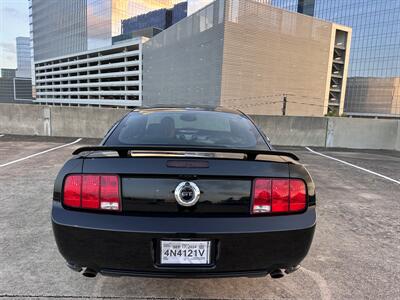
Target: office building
{"type": "Point", "coordinates": [63, 31]}
{"type": "Point", "coordinates": [249, 55]}
{"type": "Point", "coordinates": [65, 27]}
{"type": "Point", "coordinates": [179, 12]}
{"type": "Point", "coordinates": [374, 68]}
{"type": "Point", "coordinates": [57, 27]}
{"type": "Point", "coordinates": [306, 7]}
{"type": "Point", "coordinates": [159, 19]}
{"type": "Point", "coordinates": [23, 57]}
{"type": "Point", "coordinates": [13, 89]}
{"type": "Point", "coordinates": [109, 76]}
{"type": "Point", "coordinates": [8, 73]}
{"type": "Point", "coordinates": [104, 18]}
{"type": "Point", "coordinates": [196, 5]}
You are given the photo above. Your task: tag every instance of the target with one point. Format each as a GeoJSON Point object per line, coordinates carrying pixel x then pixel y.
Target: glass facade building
{"type": "Point", "coordinates": [160, 18]}
{"type": "Point", "coordinates": [374, 70]}
{"type": "Point", "coordinates": [23, 57]}
{"type": "Point", "coordinates": [105, 18]}
{"type": "Point", "coordinates": [65, 27]}
{"type": "Point", "coordinates": [196, 5]}
{"type": "Point", "coordinates": [57, 27]}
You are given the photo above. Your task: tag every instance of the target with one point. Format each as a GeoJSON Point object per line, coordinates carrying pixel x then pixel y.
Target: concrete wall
{"type": "Point", "coordinates": [22, 119]}
{"type": "Point", "coordinates": [286, 131]}
{"type": "Point", "coordinates": [299, 131]}
{"type": "Point", "coordinates": [362, 133]}
{"type": "Point", "coordinates": [83, 122]}
{"type": "Point", "coordinates": [57, 121]}
{"type": "Point", "coordinates": [397, 147]}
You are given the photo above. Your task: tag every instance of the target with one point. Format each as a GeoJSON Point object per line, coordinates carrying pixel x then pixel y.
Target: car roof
{"type": "Point", "coordinates": [158, 108]}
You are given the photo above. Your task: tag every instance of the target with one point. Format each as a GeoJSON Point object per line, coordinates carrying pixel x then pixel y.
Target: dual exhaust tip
{"type": "Point", "coordinates": [279, 273]}
{"type": "Point", "coordinates": [87, 272]}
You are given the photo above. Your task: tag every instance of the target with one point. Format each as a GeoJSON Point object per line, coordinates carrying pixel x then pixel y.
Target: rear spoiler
{"type": "Point", "coordinates": [124, 150]}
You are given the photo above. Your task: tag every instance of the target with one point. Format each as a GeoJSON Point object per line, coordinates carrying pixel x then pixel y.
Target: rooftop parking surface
{"type": "Point", "coordinates": [355, 253]}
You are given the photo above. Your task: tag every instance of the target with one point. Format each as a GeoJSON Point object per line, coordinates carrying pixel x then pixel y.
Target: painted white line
{"type": "Point", "coordinates": [40, 153]}
{"type": "Point", "coordinates": [321, 282]}
{"type": "Point", "coordinates": [354, 166]}
{"type": "Point", "coordinates": [1, 135]}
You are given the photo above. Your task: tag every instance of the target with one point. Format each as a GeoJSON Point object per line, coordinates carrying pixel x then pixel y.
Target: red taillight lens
{"type": "Point", "coordinates": [92, 192]}
{"type": "Point", "coordinates": [72, 190]}
{"type": "Point", "coordinates": [298, 195]}
{"type": "Point", "coordinates": [278, 195]}
{"type": "Point", "coordinates": [261, 196]}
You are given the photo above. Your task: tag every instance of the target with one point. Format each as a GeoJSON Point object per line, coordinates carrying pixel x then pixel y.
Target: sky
{"type": "Point", "coordinates": [14, 21]}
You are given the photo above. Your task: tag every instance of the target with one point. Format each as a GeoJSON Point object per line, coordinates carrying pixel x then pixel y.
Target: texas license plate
{"type": "Point", "coordinates": [185, 252]}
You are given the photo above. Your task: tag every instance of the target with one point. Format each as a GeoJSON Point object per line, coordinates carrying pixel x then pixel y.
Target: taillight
{"type": "Point", "coordinates": [92, 192]}
{"type": "Point", "coordinates": [278, 196]}
{"type": "Point", "coordinates": [109, 193]}
{"type": "Point", "coordinates": [261, 196]}
{"type": "Point", "coordinates": [298, 195]}
{"type": "Point", "coordinates": [73, 190]}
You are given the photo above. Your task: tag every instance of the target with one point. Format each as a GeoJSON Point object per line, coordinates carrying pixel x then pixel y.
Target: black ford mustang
{"type": "Point", "coordinates": [184, 192]}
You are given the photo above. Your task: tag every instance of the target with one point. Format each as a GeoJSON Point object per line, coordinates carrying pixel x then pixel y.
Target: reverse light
{"type": "Point", "coordinates": [278, 196]}
{"type": "Point", "coordinates": [92, 192]}
{"type": "Point", "coordinates": [261, 196]}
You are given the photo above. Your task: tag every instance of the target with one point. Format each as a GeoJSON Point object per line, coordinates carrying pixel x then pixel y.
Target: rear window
{"type": "Point", "coordinates": [191, 128]}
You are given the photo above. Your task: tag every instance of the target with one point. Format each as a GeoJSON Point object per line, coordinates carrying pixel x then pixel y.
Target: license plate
{"type": "Point", "coordinates": [185, 252]}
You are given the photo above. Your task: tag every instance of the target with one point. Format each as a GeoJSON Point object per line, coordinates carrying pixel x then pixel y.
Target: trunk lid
{"type": "Point", "coordinates": [148, 183]}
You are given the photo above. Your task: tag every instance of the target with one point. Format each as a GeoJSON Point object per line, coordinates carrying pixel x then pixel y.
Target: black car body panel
{"type": "Point", "coordinates": [127, 242]}
{"type": "Point", "coordinates": [128, 245]}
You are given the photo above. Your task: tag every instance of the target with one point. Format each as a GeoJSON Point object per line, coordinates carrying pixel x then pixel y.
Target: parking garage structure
{"type": "Point", "coordinates": [106, 77]}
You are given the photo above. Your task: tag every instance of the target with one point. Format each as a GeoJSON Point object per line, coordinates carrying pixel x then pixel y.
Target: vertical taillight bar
{"type": "Point", "coordinates": [280, 195]}
{"type": "Point", "coordinates": [261, 196]}
{"type": "Point", "coordinates": [73, 191]}
{"type": "Point", "coordinates": [90, 191]}
{"type": "Point", "coordinates": [298, 195]}
{"type": "Point", "coordinates": [109, 193]}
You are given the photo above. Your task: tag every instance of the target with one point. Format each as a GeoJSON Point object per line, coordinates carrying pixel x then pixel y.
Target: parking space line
{"type": "Point", "coordinates": [354, 166]}
{"type": "Point", "coordinates": [321, 283]}
{"type": "Point", "coordinates": [1, 135]}
{"type": "Point", "coordinates": [40, 153]}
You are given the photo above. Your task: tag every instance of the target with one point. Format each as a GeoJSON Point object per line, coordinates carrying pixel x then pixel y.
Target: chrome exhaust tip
{"type": "Point", "coordinates": [292, 269]}
{"type": "Point", "coordinates": [89, 273]}
{"type": "Point", "coordinates": [276, 274]}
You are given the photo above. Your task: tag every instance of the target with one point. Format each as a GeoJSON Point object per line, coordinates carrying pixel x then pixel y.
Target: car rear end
{"type": "Point", "coordinates": [120, 214]}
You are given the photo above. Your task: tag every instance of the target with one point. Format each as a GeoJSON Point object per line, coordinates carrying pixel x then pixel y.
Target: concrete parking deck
{"type": "Point", "coordinates": [355, 253]}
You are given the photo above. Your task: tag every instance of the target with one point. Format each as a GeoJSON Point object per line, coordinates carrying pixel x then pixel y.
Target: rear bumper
{"type": "Point", "coordinates": [128, 245]}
